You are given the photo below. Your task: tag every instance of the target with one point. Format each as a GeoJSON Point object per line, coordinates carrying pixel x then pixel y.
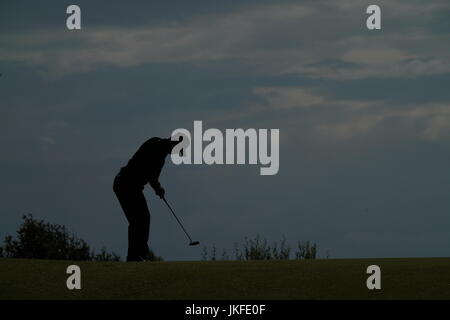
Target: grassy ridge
{"type": "Point", "coordinates": [425, 278]}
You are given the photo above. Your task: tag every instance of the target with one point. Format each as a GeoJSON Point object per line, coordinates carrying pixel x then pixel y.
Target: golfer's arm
{"type": "Point", "coordinates": [154, 183]}
{"type": "Point", "coordinates": [154, 178]}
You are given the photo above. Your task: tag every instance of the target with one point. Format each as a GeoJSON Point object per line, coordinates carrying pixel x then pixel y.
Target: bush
{"type": "Point", "coordinates": [283, 253]}
{"type": "Point", "coordinates": [259, 249]}
{"type": "Point", "coordinates": [43, 240]}
{"type": "Point", "coordinates": [104, 255]}
{"type": "Point", "coordinates": [306, 250]}
{"type": "Point", "coordinates": [212, 254]}
{"type": "Point", "coordinates": [256, 249]}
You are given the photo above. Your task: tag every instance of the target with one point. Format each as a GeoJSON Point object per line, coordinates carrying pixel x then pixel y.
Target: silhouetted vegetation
{"type": "Point", "coordinates": [306, 250]}
{"type": "Point", "coordinates": [42, 240]}
{"type": "Point", "coordinates": [260, 249]}
{"type": "Point", "coordinates": [104, 255]}
{"type": "Point", "coordinates": [151, 256]}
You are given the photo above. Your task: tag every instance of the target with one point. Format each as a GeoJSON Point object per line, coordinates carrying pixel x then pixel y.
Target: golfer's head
{"type": "Point", "coordinates": [171, 143]}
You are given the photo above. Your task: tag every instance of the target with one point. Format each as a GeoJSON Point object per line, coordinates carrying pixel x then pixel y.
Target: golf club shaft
{"type": "Point", "coordinates": [179, 222]}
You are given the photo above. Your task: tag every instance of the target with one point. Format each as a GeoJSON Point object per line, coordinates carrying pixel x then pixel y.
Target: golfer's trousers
{"type": "Point", "coordinates": [134, 206]}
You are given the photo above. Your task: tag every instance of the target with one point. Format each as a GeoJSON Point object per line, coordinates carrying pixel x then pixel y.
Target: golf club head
{"type": "Point", "coordinates": [194, 243]}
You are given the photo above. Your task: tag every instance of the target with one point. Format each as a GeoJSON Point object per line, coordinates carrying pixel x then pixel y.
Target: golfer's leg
{"type": "Point", "coordinates": [129, 203]}
{"type": "Point", "coordinates": [133, 242]}
{"type": "Point", "coordinates": [143, 218]}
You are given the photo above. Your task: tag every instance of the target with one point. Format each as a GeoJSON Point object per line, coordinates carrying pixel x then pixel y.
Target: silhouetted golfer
{"type": "Point", "coordinates": [144, 167]}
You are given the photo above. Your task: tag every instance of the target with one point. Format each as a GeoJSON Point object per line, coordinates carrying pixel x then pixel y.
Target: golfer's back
{"type": "Point", "coordinates": [146, 163]}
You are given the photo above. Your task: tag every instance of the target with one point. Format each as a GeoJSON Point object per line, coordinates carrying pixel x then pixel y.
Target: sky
{"type": "Point", "coordinates": [364, 120]}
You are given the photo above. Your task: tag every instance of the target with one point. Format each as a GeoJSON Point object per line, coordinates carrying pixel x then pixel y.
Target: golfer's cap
{"type": "Point", "coordinates": [173, 143]}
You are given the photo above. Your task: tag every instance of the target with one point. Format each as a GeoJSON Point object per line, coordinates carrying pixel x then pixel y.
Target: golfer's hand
{"type": "Point", "coordinates": [160, 192]}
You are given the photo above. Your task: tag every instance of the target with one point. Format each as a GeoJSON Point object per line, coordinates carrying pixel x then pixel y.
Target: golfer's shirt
{"type": "Point", "coordinates": [146, 164]}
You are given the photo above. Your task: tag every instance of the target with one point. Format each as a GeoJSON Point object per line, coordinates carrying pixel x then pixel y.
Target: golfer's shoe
{"type": "Point", "coordinates": [135, 259]}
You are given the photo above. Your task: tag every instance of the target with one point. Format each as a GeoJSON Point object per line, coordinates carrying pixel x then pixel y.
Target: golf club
{"type": "Point", "coordinates": [191, 243]}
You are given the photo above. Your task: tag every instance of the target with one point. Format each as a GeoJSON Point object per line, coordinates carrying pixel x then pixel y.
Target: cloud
{"type": "Point", "coordinates": [349, 129]}
{"type": "Point", "coordinates": [200, 39]}
{"type": "Point", "coordinates": [47, 140]}
{"type": "Point", "coordinates": [380, 56]}
{"type": "Point", "coordinates": [320, 39]}
{"type": "Point", "coordinates": [425, 122]}
{"type": "Point", "coordinates": [353, 118]}
{"type": "Point", "coordinates": [374, 56]}
{"type": "Point", "coordinates": [287, 98]}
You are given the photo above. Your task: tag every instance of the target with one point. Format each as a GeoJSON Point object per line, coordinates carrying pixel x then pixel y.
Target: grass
{"type": "Point", "coordinates": [413, 278]}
